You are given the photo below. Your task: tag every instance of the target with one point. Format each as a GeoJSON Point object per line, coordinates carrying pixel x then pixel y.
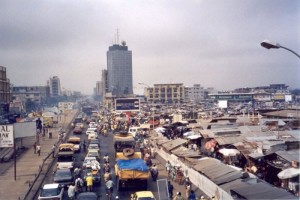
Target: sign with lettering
{"type": "Point", "coordinates": [127, 104]}
{"type": "Point", "coordinates": [6, 136]}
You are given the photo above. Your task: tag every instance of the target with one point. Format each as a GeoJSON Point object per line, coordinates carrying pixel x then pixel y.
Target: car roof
{"type": "Point", "coordinates": [90, 158]}
{"type": "Point", "coordinates": [144, 194]}
{"type": "Point", "coordinates": [51, 186]}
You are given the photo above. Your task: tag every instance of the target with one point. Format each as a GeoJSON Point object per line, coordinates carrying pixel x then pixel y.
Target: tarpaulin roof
{"type": "Point", "coordinates": [133, 164]}
{"type": "Point", "coordinates": [174, 144]}
{"type": "Point", "coordinates": [262, 191]}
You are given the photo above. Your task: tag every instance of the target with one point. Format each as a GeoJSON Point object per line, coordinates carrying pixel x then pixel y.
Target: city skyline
{"type": "Point", "coordinates": [212, 43]}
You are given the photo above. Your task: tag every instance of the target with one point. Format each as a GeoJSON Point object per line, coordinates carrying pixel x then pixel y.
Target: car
{"type": "Point", "coordinates": [77, 143]}
{"type": "Point", "coordinates": [92, 136]}
{"type": "Point", "coordinates": [95, 174]}
{"type": "Point", "coordinates": [87, 196]}
{"type": "Point", "coordinates": [94, 153]}
{"type": "Point", "coordinates": [93, 124]}
{"type": "Point", "coordinates": [77, 130]}
{"type": "Point", "coordinates": [95, 141]}
{"type": "Point", "coordinates": [94, 147]}
{"type": "Point", "coordinates": [144, 195]}
{"type": "Point", "coordinates": [81, 125]}
{"type": "Point", "coordinates": [63, 177]}
{"type": "Point", "coordinates": [51, 191]}
{"type": "Point", "coordinates": [87, 162]}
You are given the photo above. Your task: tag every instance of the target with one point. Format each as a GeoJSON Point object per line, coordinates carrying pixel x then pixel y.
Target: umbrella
{"type": "Point", "coordinates": [229, 152]}
{"type": "Point", "coordinates": [160, 129]}
{"type": "Point", "coordinates": [193, 137]}
{"type": "Point", "coordinates": [288, 173]}
{"type": "Point", "coordinates": [189, 133]}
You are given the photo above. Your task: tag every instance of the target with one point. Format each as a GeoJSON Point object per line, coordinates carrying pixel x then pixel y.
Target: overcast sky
{"type": "Point", "coordinates": [208, 42]}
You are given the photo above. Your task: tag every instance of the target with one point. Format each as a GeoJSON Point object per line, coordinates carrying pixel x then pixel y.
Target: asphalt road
{"type": "Point", "coordinates": [106, 147]}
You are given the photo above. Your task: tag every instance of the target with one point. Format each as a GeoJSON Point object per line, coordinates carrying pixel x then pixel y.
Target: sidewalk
{"type": "Point", "coordinates": [28, 164]}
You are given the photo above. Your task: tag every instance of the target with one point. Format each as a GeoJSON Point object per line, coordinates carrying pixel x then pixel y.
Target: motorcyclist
{"type": "Point", "coordinates": [107, 176]}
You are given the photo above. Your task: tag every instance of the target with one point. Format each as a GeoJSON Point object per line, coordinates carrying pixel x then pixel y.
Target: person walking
{"type": "Point", "coordinates": [192, 195]}
{"type": "Point", "coordinates": [187, 190]}
{"type": "Point", "coordinates": [178, 196]}
{"type": "Point", "coordinates": [38, 149]}
{"type": "Point", "coordinates": [170, 189]}
{"type": "Point", "coordinates": [71, 191]}
{"type": "Point", "coordinates": [34, 147]}
{"type": "Point", "coordinates": [89, 182]}
{"type": "Point", "coordinates": [53, 150]}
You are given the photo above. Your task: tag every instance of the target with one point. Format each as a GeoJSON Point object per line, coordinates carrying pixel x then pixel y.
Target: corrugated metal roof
{"type": "Point", "coordinates": [173, 144]}
{"type": "Point", "coordinates": [229, 140]}
{"type": "Point", "coordinates": [262, 191]}
{"type": "Point", "coordinates": [289, 155]}
{"type": "Point", "coordinates": [217, 171]}
{"type": "Point", "coordinates": [185, 152]}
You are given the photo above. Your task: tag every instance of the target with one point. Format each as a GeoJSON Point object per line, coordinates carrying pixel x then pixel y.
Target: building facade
{"type": "Point", "coordinates": [55, 87]}
{"type": "Point", "coordinates": [5, 91]}
{"type": "Point", "coordinates": [23, 94]}
{"type": "Point", "coordinates": [119, 70]}
{"type": "Point", "coordinates": [165, 93]}
{"type": "Point", "coordinates": [195, 93]}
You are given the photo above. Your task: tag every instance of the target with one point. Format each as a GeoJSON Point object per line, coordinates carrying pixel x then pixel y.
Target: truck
{"type": "Point", "coordinates": [131, 174]}
{"type": "Point", "coordinates": [130, 169]}
{"type": "Point", "coordinates": [65, 156]}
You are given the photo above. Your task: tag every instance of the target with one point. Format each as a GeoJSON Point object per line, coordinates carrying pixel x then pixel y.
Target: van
{"type": "Point", "coordinates": [76, 141]}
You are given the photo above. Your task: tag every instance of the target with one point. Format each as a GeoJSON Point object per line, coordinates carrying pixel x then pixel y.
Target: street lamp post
{"type": "Point", "coordinates": [271, 45]}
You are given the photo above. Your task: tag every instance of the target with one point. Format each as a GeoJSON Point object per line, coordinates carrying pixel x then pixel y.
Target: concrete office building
{"type": "Point", "coordinates": [5, 91]}
{"type": "Point", "coordinates": [55, 88]}
{"type": "Point", "coordinates": [119, 70]}
{"type": "Point", "coordinates": [195, 93]}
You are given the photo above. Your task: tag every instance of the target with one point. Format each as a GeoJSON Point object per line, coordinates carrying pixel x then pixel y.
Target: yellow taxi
{"type": "Point", "coordinates": [143, 195]}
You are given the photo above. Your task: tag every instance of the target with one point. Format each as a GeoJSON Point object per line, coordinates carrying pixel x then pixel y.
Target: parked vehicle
{"type": "Point", "coordinates": [77, 143]}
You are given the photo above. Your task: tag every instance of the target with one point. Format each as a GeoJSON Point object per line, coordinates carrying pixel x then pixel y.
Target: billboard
{"type": "Point", "coordinates": [6, 135]}
{"type": "Point", "coordinates": [222, 104]}
{"type": "Point", "coordinates": [127, 104]}
{"type": "Point", "coordinates": [24, 129]}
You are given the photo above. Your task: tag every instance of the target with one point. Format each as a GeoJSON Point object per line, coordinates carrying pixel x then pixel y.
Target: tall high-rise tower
{"type": "Point", "coordinates": [119, 70]}
{"type": "Point", "coordinates": [54, 84]}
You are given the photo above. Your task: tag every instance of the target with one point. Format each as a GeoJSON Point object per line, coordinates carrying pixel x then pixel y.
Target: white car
{"type": "Point", "coordinates": [93, 125]}
{"type": "Point", "coordinates": [51, 191]}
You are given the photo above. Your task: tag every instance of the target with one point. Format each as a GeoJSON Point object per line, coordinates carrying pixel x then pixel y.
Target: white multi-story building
{"type": "Point", "coordinates": [119, 70]}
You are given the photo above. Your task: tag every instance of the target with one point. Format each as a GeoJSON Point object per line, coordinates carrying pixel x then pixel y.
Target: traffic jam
{"type": "Point", "coordinates": [99, 159]}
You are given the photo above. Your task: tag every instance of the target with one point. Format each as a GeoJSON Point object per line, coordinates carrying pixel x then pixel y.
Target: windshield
{"type": "Point", "coordinates": [62, 174]}
{"type": "Point", "coordinates": [74, 142]}
{"type": "Point", "coordinates": [64, 158]}
{"type": "Point", "coordinates": [50, 192]}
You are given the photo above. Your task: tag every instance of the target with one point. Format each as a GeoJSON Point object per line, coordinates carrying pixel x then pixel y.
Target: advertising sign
{"type": "Point", "coordinates": [6, 136]}
{"type": "Point", "coordinates": [127, 104]}
{"type": "Point", "coordinates": [222, 104]}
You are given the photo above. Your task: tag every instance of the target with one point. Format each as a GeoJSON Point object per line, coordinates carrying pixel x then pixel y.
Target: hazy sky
{"type": "Point", "coordinates": [208, 42]}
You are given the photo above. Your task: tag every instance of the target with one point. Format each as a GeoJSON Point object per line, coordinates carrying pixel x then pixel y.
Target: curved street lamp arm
{"type": "Point", "coordinates": [290, 51]}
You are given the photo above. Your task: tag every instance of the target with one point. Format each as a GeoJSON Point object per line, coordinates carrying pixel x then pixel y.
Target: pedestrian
{"type": "Point", "coordinates": [34, 147]}
{"type": "Point", "coordinates": [84, 146]}
{"type": "Point", "coordinates": [170, 189]}
{"type": "Point", "coordinates": [77, 172]}
{"type": "Point", "coordinates": [187, 190]}
{"type": "Point", "coordinates": [53, 150]}
{"type": "Point", "coordinates": [89, 182]}
{"type": "Point", "coordinates": [71, 191]}
{"type": "Point", "coordinates": [38, 149]}
{"type": "Point", "coordinates": [78, 185]}
{"type": "Point", "coordinates": [168, 167]}
{"type": "Point", "coordinates": [178, 196]}
{"type": "Point", "coordinates": [192, 195]}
